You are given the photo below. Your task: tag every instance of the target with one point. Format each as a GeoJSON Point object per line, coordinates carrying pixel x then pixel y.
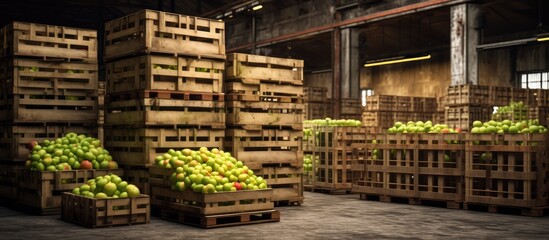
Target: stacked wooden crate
{"type": "Point", "coordinates": [507, 171]}
{"type": "Point", "coordinates": [468, 103]}
{"type": "Point", "coordinates": [48, 82]}
{"type": "Point", "coordinates": [164, 87]}
{"type": "Point", "coordinates": [384, 110]}
{"type": "Point", "coordinates": [351, 109]}
{"type": "Point", "coordinates": [315, 100]}
{"type": "Point", "coordinates": [332, 170]}
{"type": "Point", "coordinates": [413, 168]}
{"type": "Point", "coordinates": [264, 120]}
{"type": "Point", "coordinates": [48, 77]}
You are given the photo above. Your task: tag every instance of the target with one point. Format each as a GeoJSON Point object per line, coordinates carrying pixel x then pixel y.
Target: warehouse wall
{"type": "Point", "coordinates": [498, 67]}
{"type": "Point", "coordinates": [427, 78]}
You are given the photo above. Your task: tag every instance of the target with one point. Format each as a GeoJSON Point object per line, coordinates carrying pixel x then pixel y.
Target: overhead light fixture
{"type": "Point", "coordinates": [394, 60]}
{"type": "Point", "coordinates": [255, 8]}
{"type": "Point", "coordinates": [543, 37]}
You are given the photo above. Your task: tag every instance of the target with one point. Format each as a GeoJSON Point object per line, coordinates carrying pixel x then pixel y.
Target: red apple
{"type": "Point", "coordinates": [31, 144]}
{"type": "Point", "coordinates": [237, 186]}
{"type": "Point", "coordinates": [86, 165]}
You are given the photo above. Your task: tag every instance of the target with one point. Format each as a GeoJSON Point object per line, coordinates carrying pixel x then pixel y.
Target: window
{"type": "Point", "coordinates": [534, 80]}
{"type": "Point", "coordinates": [364, 94]}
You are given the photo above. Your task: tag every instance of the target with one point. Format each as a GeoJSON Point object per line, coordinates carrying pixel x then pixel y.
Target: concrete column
{"type": "Point", "coordinates": [463, 41]}
{"type": "Point", "coordinates": [336, 72]}
{"type": "Point", "coordinates": [350, 72]}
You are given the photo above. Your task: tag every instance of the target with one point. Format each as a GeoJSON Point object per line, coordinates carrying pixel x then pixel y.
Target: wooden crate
{"type": "Point", "coordinates": [8, 179]}
{"type": "Point", "coordinates": [254, 90]}
{"type": "Point", "coordinates": [150, 31]}
{"type": "Point", "coordinates": [39, 77]}
{"type": "Point", "coordinates": [14, 138]}
{"type": "Point", "coordinates": [441, 166]}
{"type": "Point", "coordinates": [539, 113]}
{"type": "Point", "coordinates": [259, 114]}
{"type": "Point", "coordinates": [266, 146]}
{"type": "Point", "coordinates": [315, 110]}
{"type": "Point", "coordinates": [139, 146]}
{"type": "Point", "coordinates": [351, 107]}
{"type": "Point", "coordinates": [42, 190]}
{"type": "Point", "coordinates": [513, 171]}
{"type": "Point", "coordinates": [286, 182]}
{"type": "Point", "coordinates": [157, 108]}
{"type": "Point", "coordinates": [47, 41]}
{"type": "Point", "coordinates": [158, 72]}
{"type": "Point", "coordinates": [199, 204]}
{"type": "Point", "coordinates": [381, 119]}
{"type": "Point", "coordinates": [315, 94]}
{"type": "Point", "coordinates": [332, 171]}
{"type": "Point", "coordinates": [380, 103]}
{"type": "Point", "coordinates": [27, 108]}
{"type": "Point", "coordinates": [221, 220]}
{"type": "Point", "coordinates": [410, 166]}
{"type": "Point", "coordinates": [464, 116]}
{"type": "Point", "coordinates": [468, 95]}
{"type": "Point", "coordinates": [265, 69]}
{"type": "Point", "coordinates": [138, 177]}
{"type": "Point", "coordinates": [92, 212]}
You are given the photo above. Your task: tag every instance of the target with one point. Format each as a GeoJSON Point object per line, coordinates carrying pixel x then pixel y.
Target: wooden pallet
{"type": "Point", "coordinates": [222, 220]}
{"type": "Point", "coordinates": [154, 112]}
{"type": "Point", "coordinates": [290, 201]}
{"type": "Point", "coordinates": [158, 72]}
{"type": "Point", "coordinates": [267, 146]}
{"type": "Point", "coordinates": [133, 146]}
{"type": "Point", "coordinates": [265, 69]}
{"type": "Point", "coordinates": [49, 42]}
{"type": "Point", "coordinates": [38, 77]}
{"type": "Point", "coordinates": [258, 114]}
{"type": "Point", "coordinates": [255, 90]}
{"type": "Point", "coordinates": [330, 191]}
{"type": "Point", "coordinates": [492, 208]}
{"type": "Point", "coordinates": [151, 95]}
{"type": "Point", "coordinates": [92, 212]}
{"type": "Point", "coordinates": [150, 31]}
{"type": "Point", "coordinates": [315, 94]}
{"type": "Point", "coordinates": [14, 138]}
{"type": "Point", "coordinates": [411, 201]}
{"type": "Point", "coordinates": [43, 190]}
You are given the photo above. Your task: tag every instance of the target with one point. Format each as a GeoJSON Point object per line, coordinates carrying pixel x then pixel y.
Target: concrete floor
{"type": "Point", "coordinates": [322, 216]}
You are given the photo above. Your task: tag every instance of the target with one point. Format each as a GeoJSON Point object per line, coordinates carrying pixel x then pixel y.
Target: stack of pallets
{"type": "Point", "coordinates": [48, 82]}
{"type": "Point", "coordinates": [265, 120]}
{"type": "Point", "coordinates": [164, 87]}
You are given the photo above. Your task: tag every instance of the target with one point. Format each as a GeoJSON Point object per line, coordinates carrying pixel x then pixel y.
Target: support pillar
{"type": "Point", "coordinates": [464, 39]}
{"type": "Point", "coordinates": [336, 73]}
{"type": "Point", "coordinates": [350, 72]}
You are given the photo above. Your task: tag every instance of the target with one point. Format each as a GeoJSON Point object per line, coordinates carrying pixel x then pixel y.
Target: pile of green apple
{"type": "Point", "coordinates": [108, 186]}
{"type": "Point", "coordinates": [208, 171]}
{"type": "Point", "coordinates": [69, 152]}
{"type": "Point", "coordinates": [334, 122]}
{"type": "Point", "coordinates": [421, 127]}
{"type": "Point", "coordinates": [308, 163]}
{"type": "Point", "coordinates": [508, 126]}
{"type": "Point", "coordinates": [515, 110]}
